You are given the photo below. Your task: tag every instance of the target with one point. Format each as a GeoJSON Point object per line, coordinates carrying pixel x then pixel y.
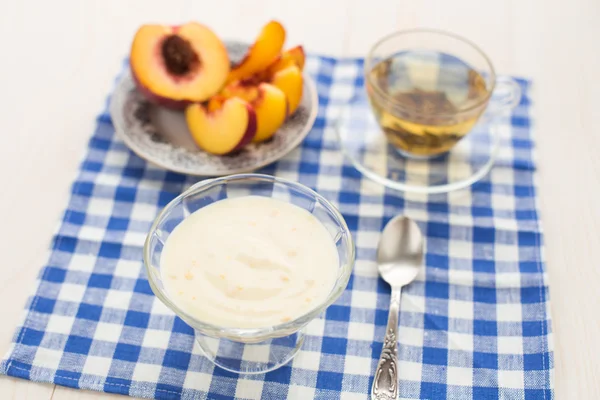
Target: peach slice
{"type": "Point", "coordinates": [269, 104]}
{"type": "Point", "coordinates": [289, 80]}
{"type": "Point", "coordinates": [175, 66]}
{"type": "Point", "coordinates": [297, 54]}
{"type": "Point", "coordinates": [293, 56]}
{"type": "Point", "coordinates": [223, 126]}
{"type": "Point", "coordinates": [262, 53]}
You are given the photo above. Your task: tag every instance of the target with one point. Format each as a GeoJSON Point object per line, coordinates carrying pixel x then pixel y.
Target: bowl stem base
{"type": "Point", "coordinates": [250, 358]}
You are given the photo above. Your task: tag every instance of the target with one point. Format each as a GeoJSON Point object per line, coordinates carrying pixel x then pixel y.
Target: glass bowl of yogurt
{"type": "Point", "coordinates": [248, 261]}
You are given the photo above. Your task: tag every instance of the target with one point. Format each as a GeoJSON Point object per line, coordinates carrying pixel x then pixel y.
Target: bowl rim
{"type": "Point", "coordinates": [251, 334]}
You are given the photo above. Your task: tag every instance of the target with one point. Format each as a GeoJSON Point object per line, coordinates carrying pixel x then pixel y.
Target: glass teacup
{"type": "Point", "coordinates": [429, 88]}
{"type": "Point", "coordinates": [244, 350]}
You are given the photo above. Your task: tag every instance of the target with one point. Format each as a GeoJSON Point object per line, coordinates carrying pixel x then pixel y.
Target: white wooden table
{"type": "Point", "coordinates": [59, 59]}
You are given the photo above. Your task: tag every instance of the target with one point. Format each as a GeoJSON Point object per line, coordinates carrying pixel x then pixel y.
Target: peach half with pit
{"type": "Point", "coordinates": [176, 66]}
{"type": "Point", "coordinates": [222, 126]}
{"type": "Point", "coordinates": [269, 104]}
{"type": "Point", "coordinates": [261, 54]}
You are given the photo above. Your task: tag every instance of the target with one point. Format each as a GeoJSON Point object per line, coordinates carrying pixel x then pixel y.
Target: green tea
{"type": "Point", "coordinates": [425, 102]}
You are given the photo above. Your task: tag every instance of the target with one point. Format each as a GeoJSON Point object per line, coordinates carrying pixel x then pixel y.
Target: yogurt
{"type": "Point", "coordinates": [249, 262]}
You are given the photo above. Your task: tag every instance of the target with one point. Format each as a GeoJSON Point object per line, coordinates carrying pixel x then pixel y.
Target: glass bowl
{"type": "Point", "coordinates": [242, 350]}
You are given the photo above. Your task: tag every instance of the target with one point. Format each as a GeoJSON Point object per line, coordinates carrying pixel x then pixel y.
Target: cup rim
{"type": "Point", "coordinates": [251, 334]}
{"type": "Point", "coordinates": [438, 32]}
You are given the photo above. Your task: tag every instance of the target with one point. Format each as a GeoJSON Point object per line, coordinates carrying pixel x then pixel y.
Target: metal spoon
{"type": "Point", "coordinates": [399, 258]}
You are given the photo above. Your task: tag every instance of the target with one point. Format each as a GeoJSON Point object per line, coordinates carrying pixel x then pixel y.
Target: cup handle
{"type": "Point", "coordinates": [506, 96]}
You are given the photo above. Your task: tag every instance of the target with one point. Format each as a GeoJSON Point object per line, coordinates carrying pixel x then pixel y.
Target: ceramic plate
{"type": "Point", "coordinates": [161, 137]}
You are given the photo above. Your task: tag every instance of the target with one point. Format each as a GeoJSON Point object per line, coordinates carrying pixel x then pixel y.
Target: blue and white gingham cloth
{"type": "Point", "coordinates": [475, 324]}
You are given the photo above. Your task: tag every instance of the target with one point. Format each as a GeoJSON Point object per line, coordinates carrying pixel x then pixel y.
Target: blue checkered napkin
{"type": "Point", "coordinates": [475, 324]}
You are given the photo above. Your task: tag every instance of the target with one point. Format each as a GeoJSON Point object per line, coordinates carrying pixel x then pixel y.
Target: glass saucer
{"type": "Point", "coordinates": [364, 143]}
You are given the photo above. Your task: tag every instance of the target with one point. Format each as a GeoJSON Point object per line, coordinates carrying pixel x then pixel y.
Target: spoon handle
{"type": "Point", "coordinates": [385, 384]}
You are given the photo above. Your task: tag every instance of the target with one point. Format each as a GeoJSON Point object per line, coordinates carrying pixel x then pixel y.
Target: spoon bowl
{"type": "Point", "coordinates": [400, 251]}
